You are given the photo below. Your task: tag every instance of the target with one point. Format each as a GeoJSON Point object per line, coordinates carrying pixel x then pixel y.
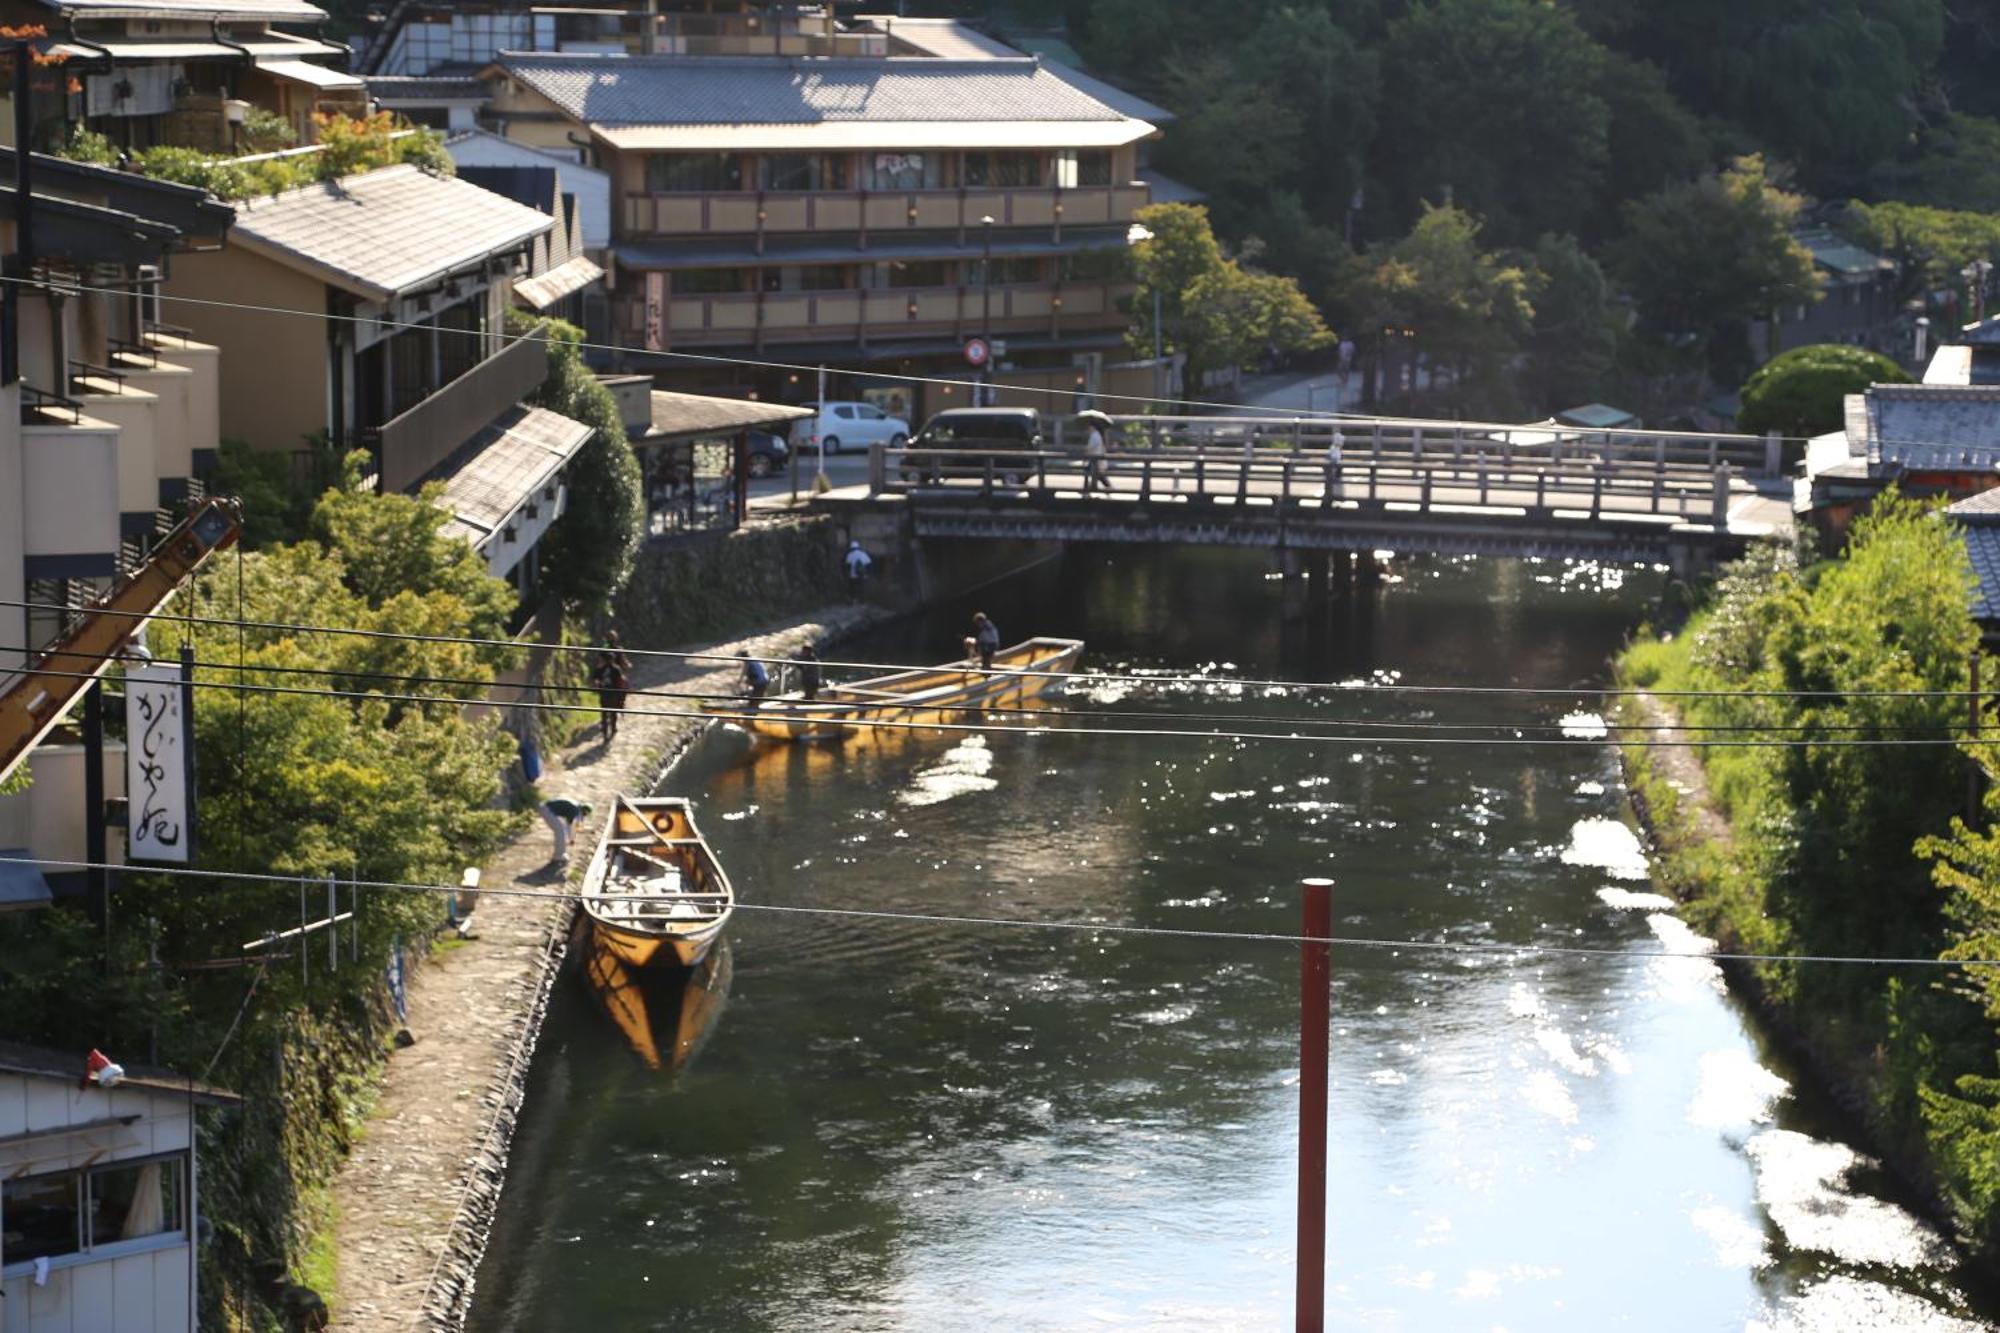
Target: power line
{"type": "Point", "coordinates": [709, 358]}
{"type": "Point", "coordinates": [1141, 677]}
{"type": "Point", "coordinates": [1086, 927]}
{"type": "Point", "coordinates": [584, 705]}
{"type": "Point", "coordinates": [1150, 733]}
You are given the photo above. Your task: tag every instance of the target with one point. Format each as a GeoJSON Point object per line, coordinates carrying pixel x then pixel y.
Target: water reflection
{"type": "Point", "coordinates": [909, 1124]}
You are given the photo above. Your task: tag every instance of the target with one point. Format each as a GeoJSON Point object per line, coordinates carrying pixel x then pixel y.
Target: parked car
{"type": "Point", "coordinates": [766, 454]}
{"type": "Point", "coordinates": [985, 429]}
{"type": "Point", "coordinates": [849, 426]}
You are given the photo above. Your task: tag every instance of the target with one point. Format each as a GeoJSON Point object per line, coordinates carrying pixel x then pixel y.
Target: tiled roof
{"type": "Point", "coordinates": [1982, 545]}
{"type": "Point", "coordinates": [285, 11]}
{"type": "Point", "coordinates": [18, 1057]}
{"type": "Point", "coordinates": [938, 37]}
{"type": "Point", "coordinates": [545, 289]}
{"type": "Point", "coordinates": [679, 415]}
{"type": "Point", "coordinates": [1932, 425]}
{"type": "Point", "coordinates": [1982, 509]}
{"type": "Point", "coordinates": [856, 102]}
{"type": "Point", "coordinates": [385, 232]}
{"type": "Point", "coordinates": [1835, 252]}
{"type": "Point", "coordinates": [424, 88]}
{"type": "Point", "coordinates": [498, 470]}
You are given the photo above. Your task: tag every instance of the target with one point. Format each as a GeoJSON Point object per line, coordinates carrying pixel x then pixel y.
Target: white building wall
{"type": "Point", "coordinates": [591, 187]}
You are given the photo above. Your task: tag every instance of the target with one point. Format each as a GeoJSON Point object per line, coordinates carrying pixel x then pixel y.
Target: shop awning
{"type": "Point", "coordinates": [545, 289]}
{"type": "Point", "coordinates": [316, 76]}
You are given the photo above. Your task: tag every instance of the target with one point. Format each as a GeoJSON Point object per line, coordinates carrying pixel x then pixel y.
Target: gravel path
{"type": "Point", "coordinates": [414, 1198]}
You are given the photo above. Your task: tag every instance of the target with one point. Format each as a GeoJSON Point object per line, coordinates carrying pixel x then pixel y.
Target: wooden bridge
{"type": "Point", "coordinates": [1644, 497]}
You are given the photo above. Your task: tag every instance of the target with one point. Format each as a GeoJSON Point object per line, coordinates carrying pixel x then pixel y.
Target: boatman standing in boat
{"type": "Point", "coordinates": [756, 680]}
{"type": "Point", "coordinates": [811, 678]}
{"type": "Point", "coordinates": [986, 638]}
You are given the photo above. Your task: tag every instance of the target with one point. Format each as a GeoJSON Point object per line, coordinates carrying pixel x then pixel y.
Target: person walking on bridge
{"type": "Point", "coordinates": [1094, 478]}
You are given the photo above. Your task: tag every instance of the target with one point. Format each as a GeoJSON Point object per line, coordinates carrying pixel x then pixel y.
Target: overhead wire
{"type": "Point", "coordinates": [1203, 679]}
{"type": "Point", "coordinates": [748, 715]}
{"type": "Point", "coordinates": [1061, 924]}
{"type": "Point", "coordinates": [583, 704]}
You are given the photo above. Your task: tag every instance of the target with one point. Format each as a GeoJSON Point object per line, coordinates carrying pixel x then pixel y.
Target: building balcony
{"type": "Point", "coordinates": [107, 395]}
{"type": "Point", "coordinates": [870, 214]}
{"type": "Point", "coordinates": [185, 376]}
{"type": "Point", "coordinates": [763, 34]}
{"type": "Point", "coordinates": [760, 318]}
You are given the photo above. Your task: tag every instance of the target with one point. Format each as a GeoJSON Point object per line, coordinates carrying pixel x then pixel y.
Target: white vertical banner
{"type": "Point", "coordinates": [656, 311]}
{"type": "Point", "coordinates": [158, 738]}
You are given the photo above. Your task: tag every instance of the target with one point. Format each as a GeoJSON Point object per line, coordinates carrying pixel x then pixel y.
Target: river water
{"type": "Point", "coordinates": [907, 1125]}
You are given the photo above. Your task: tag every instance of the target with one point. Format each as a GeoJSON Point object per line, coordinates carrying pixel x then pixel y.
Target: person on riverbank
{"type": "Point", "coordinates": [811, 678]}
{"type": "Point", "coordinates": [612, 675]}
{"type": "Point", "coordinates": [985, 639]}
{"type": "Point", "coordinates": [857, 562]}
{"type": "Point", "coordinates": [756, 679]}
{"type": "Point", "coordinates": [562, 816]}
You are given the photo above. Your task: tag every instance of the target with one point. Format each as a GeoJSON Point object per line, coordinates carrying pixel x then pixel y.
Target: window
{"type": "Point", "coordinates": [76, 1212]}
{"type": "Point", "coordinates": [806, 278]}
{"type": "Point", "coordinates": [906, 171]}
{"type": "Point", "coordinates": [868, 413]}
{"type": "Point", "coordinates": [707, 281]}
{"type": "Point", "coordinates": [914, 273]}
{"type": "Point", "coordinates": [1096, 266]}
{"type": "Point", "coordinates": [805, 171]}
{"type": "Point", "coordinates": [1008, 170]}
{"type": "Point", "coordinates": [1005, 271]}
{"type": "Point", "coordinates": [1083, 166]}
{"type": "Point", "coordinates": [670, 173]}
{"type": "Point", "coordinates": [844, 412]}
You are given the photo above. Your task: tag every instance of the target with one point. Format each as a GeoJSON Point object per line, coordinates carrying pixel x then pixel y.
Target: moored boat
{"type": "Point", "coordinates": [655, 893]}
{"type": "Point", "coordinates": [1025, 671]}
{"type": "Point", "coordinates": [651, 1007]}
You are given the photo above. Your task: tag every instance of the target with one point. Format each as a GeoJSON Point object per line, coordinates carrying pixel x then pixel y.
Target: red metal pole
{"type": "Point", "coordinates": [1315, 1020]}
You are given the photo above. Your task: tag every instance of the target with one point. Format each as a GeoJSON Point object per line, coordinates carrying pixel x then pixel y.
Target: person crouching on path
{"type": "Point", "coordinates": [986, 638]}
{"type": "Point", "coordinates": [612, 675]}
{"type": "Point", "coordinates": [857, 562]}
{"type": "Point", "coordinates": [562, 816]}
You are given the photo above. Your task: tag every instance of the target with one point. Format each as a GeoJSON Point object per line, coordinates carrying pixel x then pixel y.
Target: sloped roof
{"type": "Point", "coordinates": [385, 232]}
{"type": "Point", "coordinates": [286, 11]}
{"type": "Point", "coordinates": [1978, 520]}
{"type": "Point", "coordinates": [18, 1057]}
{"type": "Point", "coordinates": [749, 102]}
{"type": "Point", "coordinates": [1835, 252]}
{"type": "Point", "coordinates": [425, 88]}
{"type": "Point", "coordinates": [1931, 425]}
{"type": "Point", "coordinates": [545, 289]}
{"type": "Point", "coordinates": [681, 415]}
{"type": "Point", "coordinates": [491, 475]}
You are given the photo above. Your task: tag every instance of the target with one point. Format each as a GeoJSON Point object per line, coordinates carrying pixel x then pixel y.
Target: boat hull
{"type": "Point", "coordinates": [654, 894]}
{"type": "Point", "coordinates": [939, 694]}
{"type": "Point", "coordinates": [636, 949]}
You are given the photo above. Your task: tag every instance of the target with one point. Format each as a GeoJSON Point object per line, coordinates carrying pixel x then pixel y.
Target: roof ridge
{"type": "Point", "coordinates": [668, 59]}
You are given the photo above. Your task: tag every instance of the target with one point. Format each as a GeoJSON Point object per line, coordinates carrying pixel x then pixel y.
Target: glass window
{"type": "Point", "coordinates": [707, 281]}
{"type": "Point", "coordinates": [43, 1216]}
{"type": "Point", "coordinates": [806, 278]}
{"type": "Point", "coordinates": [804, 171]}
{"type": "Point", "coordinates": [1028, 269]}
{"type": "Point", "coordinates": [906, 171]}
{"type": "Point", "coordinates": [869, 413]}
{"type": "Point", "coordinates": [1095, 266]}
{"type": "Point", "coordinates": [916, 273]}
{"type": "Point", "coordinates": [1006, 170]}
{"type": "Point", "coordinates": [668, 173]}
{"type": "Point", "coordinates": [134, 1201]}
{"type": "Point", "coordinates": [1093, 166]}
{"type": "Point", "coordinates": [844, 412]}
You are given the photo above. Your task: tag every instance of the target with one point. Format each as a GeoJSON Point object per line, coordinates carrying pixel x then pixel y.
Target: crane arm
{"type": "Point", "coordinates": [36, 701]}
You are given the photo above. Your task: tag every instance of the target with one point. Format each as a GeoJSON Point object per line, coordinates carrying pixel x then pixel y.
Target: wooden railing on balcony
{"type": "Point", "coordinates": [761, 213]}
{"type": "Point", "coordinates": [421, 438]}
{"type": "Point", "coordinates": [755, 318]}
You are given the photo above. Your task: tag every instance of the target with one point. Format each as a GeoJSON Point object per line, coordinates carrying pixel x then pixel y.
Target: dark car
{"type": "Point", "coordinates": [983, 431]}
{"type": "Point", "coordinates": [766, 454]}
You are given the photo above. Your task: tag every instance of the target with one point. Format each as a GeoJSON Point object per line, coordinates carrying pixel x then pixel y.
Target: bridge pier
{"type": "Point", "coordinates": [1291, 564]}
{"type": "Point", "coordinates": [1342, 563]}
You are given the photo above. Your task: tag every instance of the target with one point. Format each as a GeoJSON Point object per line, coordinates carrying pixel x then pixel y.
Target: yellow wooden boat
{"type": "Point", "coordinates": [654, 892]}
{"type": "Point", "coordinates": [940, 693]}
{"type": "Point", "coordinates": [650, 1005]}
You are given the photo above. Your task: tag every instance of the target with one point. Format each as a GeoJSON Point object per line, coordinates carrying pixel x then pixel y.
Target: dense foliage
{"type": "Point", "coordinates": [1803, 392]}
{"type": "Point", "coordinates": [347, 145]}
{"type": "Point", "coordinates": [1868, 647]}
{"type": "Point", "coordinates": [588, 554]}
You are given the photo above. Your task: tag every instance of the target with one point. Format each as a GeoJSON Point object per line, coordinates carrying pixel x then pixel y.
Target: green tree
{"type": "Point", "coordinates": [1803, 391]}
{"type": "Point", "coordinates": [1705, 258]}
{"type": "Point", "coordinates": [1467, 309]}
{"type": "Point", "coordinates": [1211, 308]}
{"type": "Point", "coordinates": [588, 553]}
{"type": "Point", "coordinates": [1932, 244]}
{"type": "Point", "coordinates": [1575, 337]}
{"type": "Point", "coordinates": [1652, 140]}
{"type": "Point", "coordinates": [1497, 109]}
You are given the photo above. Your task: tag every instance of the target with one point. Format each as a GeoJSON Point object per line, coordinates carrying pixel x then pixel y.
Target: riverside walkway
{"type": "Point", "coordinates": [1448, 488]}
{"type": "Point", "coordinates": [413, 1201]}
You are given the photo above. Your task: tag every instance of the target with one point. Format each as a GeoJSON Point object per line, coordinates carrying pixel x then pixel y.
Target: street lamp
{"type": "Point", "coordinates": [1134, 234]}
{"type": "Point", "coordinates": [1975, 276]}
{"type": "Point", "coordinates": [986, 300]}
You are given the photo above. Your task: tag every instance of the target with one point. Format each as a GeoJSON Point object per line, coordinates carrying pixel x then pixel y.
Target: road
{"type": "Point", "coordinates": [842, 469]}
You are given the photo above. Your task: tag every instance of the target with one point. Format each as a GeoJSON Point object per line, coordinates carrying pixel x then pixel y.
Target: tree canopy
{"type": "Point", "coordinates": [1802, 392]}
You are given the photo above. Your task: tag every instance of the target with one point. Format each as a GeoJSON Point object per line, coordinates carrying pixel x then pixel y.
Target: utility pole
{"type": "Point", "coordinates": [819, 479]}
{"type": "Point", "coordinates": [1315, 1018]}
{"type": "Point", "coordinates": [986, 306]}
{"type": "Point", "coordinates": [1974, 778]}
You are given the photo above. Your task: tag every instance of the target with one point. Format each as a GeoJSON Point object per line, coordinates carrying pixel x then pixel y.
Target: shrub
{"type": "Point", "coordinates": [1801, 392]}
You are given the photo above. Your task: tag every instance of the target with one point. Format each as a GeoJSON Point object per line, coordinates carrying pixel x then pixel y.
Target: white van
{"type": "Point", "coordinates": [849, 426]}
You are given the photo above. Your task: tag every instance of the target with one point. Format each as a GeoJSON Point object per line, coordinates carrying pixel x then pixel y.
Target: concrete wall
{"type": "Point", "coordinates": [273, 374]}
{"type": "Point", "coordinates": [136, 414]}
{"type": "Point", "coordinates": [70, 478]}
{"type": "Point", "coordinates": [48, 818]}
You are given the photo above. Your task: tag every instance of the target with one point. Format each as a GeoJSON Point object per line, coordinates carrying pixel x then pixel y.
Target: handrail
{"type": "Point", "coordinates": [35, 400]}
{"type": "Point", "coordinates": [136, 350]}
{"type": "Point", "coordinates": [94, 371]}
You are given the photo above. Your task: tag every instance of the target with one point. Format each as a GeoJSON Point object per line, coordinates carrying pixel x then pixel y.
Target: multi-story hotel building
{"type": "Point", "coordinates": [870, 195]}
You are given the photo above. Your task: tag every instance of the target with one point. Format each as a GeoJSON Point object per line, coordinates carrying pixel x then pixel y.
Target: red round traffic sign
{"type": "Point", "coordinates": [976, 351]}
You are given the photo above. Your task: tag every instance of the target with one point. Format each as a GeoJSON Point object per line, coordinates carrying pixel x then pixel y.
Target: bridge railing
{"type": "Point", "coordinates": [1386, 438]}
{"type": "Point", "coordinates": [1288, 481]}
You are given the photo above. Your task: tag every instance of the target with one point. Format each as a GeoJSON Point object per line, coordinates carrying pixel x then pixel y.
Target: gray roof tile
{"type": "Point", "coordinates": [385, 232]}
{"type": "Point", "coordinates": [1931, 425]}
{"type": "Point", "coordinates": [1982, 544]}
{"type": "Point", "coordinates": [496, 471]}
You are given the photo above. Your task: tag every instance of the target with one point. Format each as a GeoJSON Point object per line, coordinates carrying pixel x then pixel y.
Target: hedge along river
{"type": "Point", "coordinates": [903, 1125]}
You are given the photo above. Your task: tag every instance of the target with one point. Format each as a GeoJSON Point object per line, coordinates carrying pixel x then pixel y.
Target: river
{"type": "Point", "coordinates": [899, 1124]}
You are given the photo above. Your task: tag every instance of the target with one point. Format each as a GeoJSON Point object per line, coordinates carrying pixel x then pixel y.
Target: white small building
{"type": "Point", "coordinates": [98, 1196]}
